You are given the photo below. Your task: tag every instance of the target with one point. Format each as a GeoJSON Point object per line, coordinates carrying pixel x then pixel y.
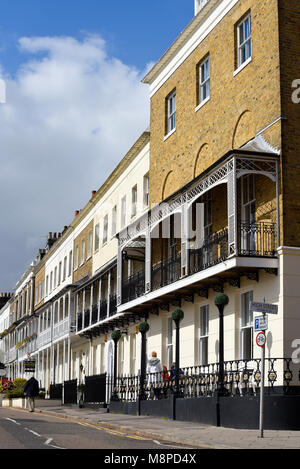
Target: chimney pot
{"type": "Point", "coordinates": [54, 235]}
{"type": "Point", "coordinates": [93, 193]}
{"type": "Point", "coordinates": [76, 213]}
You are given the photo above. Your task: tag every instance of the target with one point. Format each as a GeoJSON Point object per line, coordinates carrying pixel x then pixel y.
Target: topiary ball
{"type": "Point", "coordinates": [221, 299]}
{"type": "Point", "coordinates": [144, 327]}
{"type": "Point", "coordinates": [116, 335]}
{"type": "Point", "coordinates": [177, 315]}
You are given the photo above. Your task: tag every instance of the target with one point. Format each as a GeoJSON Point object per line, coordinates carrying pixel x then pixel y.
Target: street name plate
{"type": "Point", "coordinates": [263, 308]}
{"type": "Point", "coordinates": [29, 366]}
{"type": "Point", "coordinates": [261, 323]}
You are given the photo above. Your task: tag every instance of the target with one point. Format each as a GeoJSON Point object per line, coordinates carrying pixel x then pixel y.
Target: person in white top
{"type": "Point", "coordinates": [154, 370]}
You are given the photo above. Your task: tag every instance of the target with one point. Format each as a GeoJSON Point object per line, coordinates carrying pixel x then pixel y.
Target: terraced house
{"type": "Point", "coordinates": [206, 201]}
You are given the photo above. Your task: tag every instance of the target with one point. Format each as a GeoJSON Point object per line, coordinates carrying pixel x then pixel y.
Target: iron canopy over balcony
{"type": "Point", "coordinates": [246, 247]}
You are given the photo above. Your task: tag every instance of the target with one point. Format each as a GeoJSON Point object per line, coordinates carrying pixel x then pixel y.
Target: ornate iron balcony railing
{"type": "Point", "coordinates": [133, 287]}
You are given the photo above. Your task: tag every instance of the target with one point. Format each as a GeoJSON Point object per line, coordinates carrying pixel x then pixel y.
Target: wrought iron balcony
{"type": "Point", "coordinates": [113, 305]}
{"type": "Point", "coordinates": [258, 239]}
{"type": "Point", "coordinates": [103, 309]}
{"type": "Point", "coordinates": [166, 272]}
{"type": "Point", "coordinates": [213, 251]}
{"type": "Point", "coordinates": [94, 314]}
{"type": "Point", "coordinates": [133, 287]}
{"type": "Point", "coordinates": [79, 322]}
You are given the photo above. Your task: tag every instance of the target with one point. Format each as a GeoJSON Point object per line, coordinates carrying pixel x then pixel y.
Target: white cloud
{"type": "Point", "coordinates": [72, 112]}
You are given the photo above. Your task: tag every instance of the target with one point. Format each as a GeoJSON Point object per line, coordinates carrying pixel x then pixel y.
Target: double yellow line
{"type": "Point", "coordinates": [85, 424]}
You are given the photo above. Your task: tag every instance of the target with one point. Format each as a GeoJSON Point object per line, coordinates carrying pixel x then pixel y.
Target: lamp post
{"type": "Point", "coordinates": [221, 300]}
{"type": "Point", "coordinates": [143, 328]}
{"type": "Point", "coordinates": [177, 317]}
{"type": "Point", "coordinates": [115, 335]}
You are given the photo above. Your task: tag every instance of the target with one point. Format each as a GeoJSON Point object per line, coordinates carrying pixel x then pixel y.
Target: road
{"type": "Point", "coordinates": [20, 429]}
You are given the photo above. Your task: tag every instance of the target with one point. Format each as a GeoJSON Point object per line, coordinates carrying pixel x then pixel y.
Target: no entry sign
{"type": "Point", "coordinates": [261, 339]}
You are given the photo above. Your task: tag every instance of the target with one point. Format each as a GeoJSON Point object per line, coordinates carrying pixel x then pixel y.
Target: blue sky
{"type": "Point", "coordinates": [73, 71]}
{"type": "Point", "coordinates": [137, 32]}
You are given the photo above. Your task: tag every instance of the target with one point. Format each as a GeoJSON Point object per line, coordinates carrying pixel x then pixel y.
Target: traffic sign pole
{"type": "Point", "coordinates": [262, 386]}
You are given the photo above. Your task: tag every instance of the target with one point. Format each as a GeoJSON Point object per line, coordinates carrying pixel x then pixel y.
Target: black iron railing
{"type": "Point", "coordinates": [113, 305]}
{"type": "Point", "coordinates": [213, 251]}
{"type": "Point", "coordinates": [86, 318]}
{"type": "Point", "coordinates": [258, 239]}
{"type": "Point", "coordinates": [79, 322]}
{"type": "Point", "coordinates": [166, 272]}
{"type": "Point", "coordinates": [133, 287]}
{"type": "Point", "coordinates": [241, 377]}
{"type": "Point", "coordinates": [94, 314]}
{"type": "Point", "coordinates": [103, 310]}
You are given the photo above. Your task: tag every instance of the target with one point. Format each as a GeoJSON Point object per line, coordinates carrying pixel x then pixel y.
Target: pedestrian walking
{"type": "Point", "coordinates": [154, 370]}
{"type": "Point", "coordinates": [31, 390]}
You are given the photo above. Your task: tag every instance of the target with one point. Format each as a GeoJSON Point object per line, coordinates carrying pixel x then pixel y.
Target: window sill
{"type": "Point", "coordinates": [202, 104]}
{"type": "Point", "coordinates": [169, 134]}
{"type": "Point", "coordinates": [241, 67]}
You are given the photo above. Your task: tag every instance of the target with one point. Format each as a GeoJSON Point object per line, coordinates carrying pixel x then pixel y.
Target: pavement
{"type": "Point", "coordinates": [186, 433]}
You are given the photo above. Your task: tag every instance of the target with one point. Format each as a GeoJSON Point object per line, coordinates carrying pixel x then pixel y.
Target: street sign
{"type": "Point", "coordinates": [266, 308]}
{"type": "Point", "coordinates": [261, 323]}
{"type": "Point", "coordinates": [261, 339]}
{"type": "Point", "coordinates": [29, 366]}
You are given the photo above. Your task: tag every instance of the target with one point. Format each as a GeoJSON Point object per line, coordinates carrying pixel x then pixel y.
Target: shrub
{"type": "Point", "coordinates": [19, 384]}
{"type": "Point", "coordinates": [14, 394]}
{"type": "Point", "coordinates": [42, 395]}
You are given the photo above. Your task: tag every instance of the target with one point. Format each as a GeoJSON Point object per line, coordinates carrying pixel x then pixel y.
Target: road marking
{"type": "Point", "coordinates": [14, 421]}
{"type": "Point", "coordinates": [169, 446]}
{"type": "Point", "coordinates": [34, 433]}
{"type": "Point", "coordinates": [48, 441]}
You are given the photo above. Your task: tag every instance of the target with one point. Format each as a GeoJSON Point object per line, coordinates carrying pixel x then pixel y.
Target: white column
{"type": "Point", "coordinates": [99, 298]}
{"type": "Point", "coordinates": [57, 361]}
{"type": "Point", "coordinates": [108, 292]}
{"type": "Point", "coordinates": [119, 276]}
{"type": "Point", "coordinates": [148, 261]}
{"type": "Point", "coordinates": [232, 211]}
{"type": "Point", "coordinates": [91, 302]}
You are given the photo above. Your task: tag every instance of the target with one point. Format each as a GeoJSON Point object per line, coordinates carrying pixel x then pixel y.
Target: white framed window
{"type": "Point", "coordinates": [114, 221]}
{"type": "Point", "coordinates": [203, 334]}
{"type": "Point", "coordinates": [82, 258]}
{"type": "Point", "coordinates": [146, 190]}
{"type": "Point", "coordinates": [96, 240]}
{"type": "Point", "coordinates": [76, 260]}
{"type": "Point", "coordinates": [51, 281]}
{"type": "Point", "coordinates": [204, 80]}
{"type": "Point", "coordinates": [246, 344]}
{"type": "Point", "coordinates": [55, 277]}
{"type": "Point", "coordinates": [123, 211]}
{"type": "Point", "coordinates": [244, 45]}
{"type": "Point", "coordinates": [65, 268]}
{"type": "Point", "coordinates": [169, 343]}
{"type": "Point", "coordinates": [90, 243]}
{"type": "Point", "coordinates": [105, 229]}
{"type": "Point", "coordinates": [134, 201]}
{"type": "Point", "coordinates": [70, 262]}
{"type": "Point", "coordinates": [59, 273]}
{"type": "Point", "coordinates": [43, 289]}
{"type": "Point", "coordinates": [47, 285]}
{"type": "Point", "coordinates": [171, 109]}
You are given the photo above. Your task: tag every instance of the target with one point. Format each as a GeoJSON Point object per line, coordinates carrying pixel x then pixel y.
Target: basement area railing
{"type": "Point", "coordinates": [241, 377]}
